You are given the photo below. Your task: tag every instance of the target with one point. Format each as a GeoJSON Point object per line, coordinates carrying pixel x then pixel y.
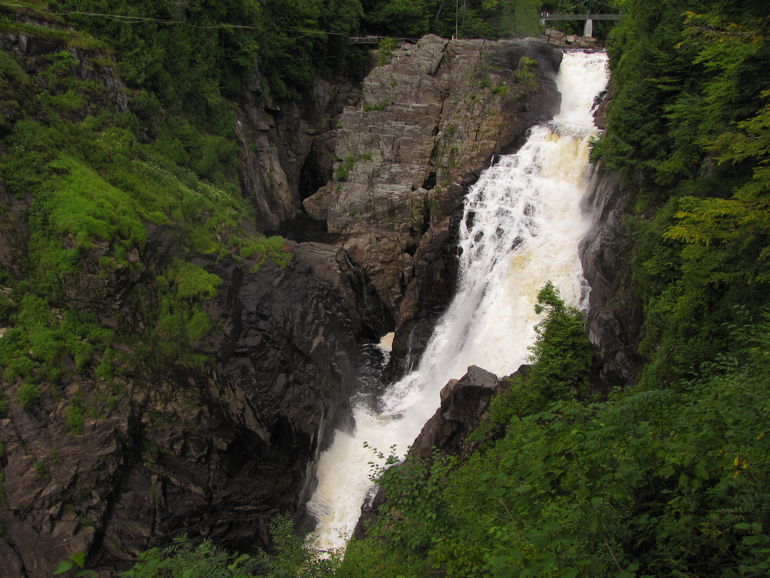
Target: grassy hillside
{"type": "Point", "coordinates": [93, 162]}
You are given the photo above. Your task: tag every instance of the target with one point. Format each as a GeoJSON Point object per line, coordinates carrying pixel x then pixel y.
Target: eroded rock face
{"type": "Point", "coordinates": [287, 149]}
{"type": "Point", "coordinates": [212, 451]}
{"type": "Point", "coordinates": [615, 317]}
{"type": "Point", "coordinates": [428, 123]}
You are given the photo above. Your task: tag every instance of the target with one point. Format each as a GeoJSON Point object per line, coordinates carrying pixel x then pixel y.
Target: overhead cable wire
{"type": "Point", "coordinates": [129, 19]}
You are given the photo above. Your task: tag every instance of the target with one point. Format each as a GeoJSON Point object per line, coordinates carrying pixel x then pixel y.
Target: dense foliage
{"type": "Point", "coordinates": [464, 19]}
{"type": "Point", "coordinates": [689, 121]}
{"type": "Point", "coordinates": [652, 482]}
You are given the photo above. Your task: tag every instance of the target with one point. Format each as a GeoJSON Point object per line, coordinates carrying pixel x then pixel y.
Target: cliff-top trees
{"type": "Point", "coordinates": [463, 18]}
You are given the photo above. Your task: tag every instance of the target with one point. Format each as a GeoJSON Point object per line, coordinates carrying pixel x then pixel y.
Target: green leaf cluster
{"type": "Point", "coordinates": [197, 55]}
{"type": "Point", "coordinates": [342, 172]}
{"type": "Point", "coordinates": [184, 559]}
{"type": "Point", "coordinates": [289, 557]}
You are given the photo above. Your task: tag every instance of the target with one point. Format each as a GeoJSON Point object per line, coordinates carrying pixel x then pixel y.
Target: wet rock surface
{"type": "Point", "coordinates": [463, 403]}
{"type": "Point", "coordinates": [429, 122]}
{"type": "Point", "coordinates": [615, 317]}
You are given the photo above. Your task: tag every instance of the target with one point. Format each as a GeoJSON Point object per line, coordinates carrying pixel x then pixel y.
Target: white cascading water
{"type": "Point", "coordinates": [521, 228]}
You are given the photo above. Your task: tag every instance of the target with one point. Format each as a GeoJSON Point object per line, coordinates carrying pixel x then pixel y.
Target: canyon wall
{"type": "Point", "coordinates": [369, 177]}
{"type": "Point", "coordinates": [614, 318]}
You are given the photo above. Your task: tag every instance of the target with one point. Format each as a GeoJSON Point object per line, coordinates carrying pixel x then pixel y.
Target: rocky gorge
{"type": "Point", "coordinates": [374, 174]}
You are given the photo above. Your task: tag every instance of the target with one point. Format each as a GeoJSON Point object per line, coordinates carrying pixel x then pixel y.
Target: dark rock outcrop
{"type": "Point", "coordinates": [212, 451]}
{"type": "Point", "coordinates": [615, 316]}
{"type": "Point", "coordinates": [287, 149]}
{"type": "Point", "coordinates": [463, 403]}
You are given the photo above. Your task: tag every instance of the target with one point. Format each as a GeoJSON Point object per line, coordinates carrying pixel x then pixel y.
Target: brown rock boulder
{"type": "Point", "coordinates": [463, 403]}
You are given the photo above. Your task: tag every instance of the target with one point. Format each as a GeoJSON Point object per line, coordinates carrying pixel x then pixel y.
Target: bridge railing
{"type": "Point", "coordinates": [366, 39]}
{"type": "Point", "coordinates": [545, 17]}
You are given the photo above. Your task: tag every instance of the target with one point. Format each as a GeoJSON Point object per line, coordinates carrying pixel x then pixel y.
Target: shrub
{"type": "Point", "coordinates": [385, 50]}
{"type": "Point", "coordinates": [182, 558]}
{"type": "Point", "coordinates": [28, 396]}
{"type": "Point", "coordinates": [75, 418]}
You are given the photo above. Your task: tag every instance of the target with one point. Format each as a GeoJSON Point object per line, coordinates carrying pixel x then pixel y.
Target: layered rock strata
{"type": "Point", "coordinates": [287, 148]}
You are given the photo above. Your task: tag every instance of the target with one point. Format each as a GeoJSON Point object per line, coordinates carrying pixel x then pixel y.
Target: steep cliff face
{"type": "Point", "coordinates": [214, 451]}
{"type": "Point", "coordinates": [287, 148]}
{"type": "Point", "coordinates": [615, 317]}
{"type": "Point", "coordinates": [430, 120]}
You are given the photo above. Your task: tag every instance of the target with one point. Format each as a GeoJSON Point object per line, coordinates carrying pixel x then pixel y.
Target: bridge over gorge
{"type": "Point", "coordinates": [545, 17]}
{"type": "Point", "coordinates": [366, 39]}
{"type": "Point", "coordinates": [588, 17]}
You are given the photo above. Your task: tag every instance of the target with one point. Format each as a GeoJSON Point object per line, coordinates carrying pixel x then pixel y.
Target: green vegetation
{"type": "Point", "coordinates": [290, 558]}
{"type": "Point", "coordinates": [103, 146]}
{"type": "Point", "coordinates": [119, 132]}
{"type": "Point", "coordinates": [648, 482]}
{"type": "Point", "coordinates": [183, 559]}
{"type": "Point", "coordinates": [466, 19]}
{"type": "Point", "coordinates": [385, 50]}
{"type": "Point", "coordinates": [525, 71]}
{"type": "Point", "coordinates": [670, 476]}
{"type": "Point", "coordinates": [28, 396]}
{"type": "Point", "coordinates": [381, 105]}
{"type": "Point", "coordinates": [75, 566]}
{"type": "Point", "coordinates": [342, 172]}
{"type": "Point", "coordinates": [689, 121]}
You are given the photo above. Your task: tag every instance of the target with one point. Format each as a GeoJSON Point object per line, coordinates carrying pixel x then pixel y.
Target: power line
{"type": "Point", "coordinates": [128, 19]}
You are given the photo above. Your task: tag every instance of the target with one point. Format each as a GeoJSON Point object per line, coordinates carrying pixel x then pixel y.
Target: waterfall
{"type": "Point", "coordinates": [521, 228]}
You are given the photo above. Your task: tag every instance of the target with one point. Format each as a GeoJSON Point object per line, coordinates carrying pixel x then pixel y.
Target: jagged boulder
{"type": "Point", "coordinates": [463, 403]}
